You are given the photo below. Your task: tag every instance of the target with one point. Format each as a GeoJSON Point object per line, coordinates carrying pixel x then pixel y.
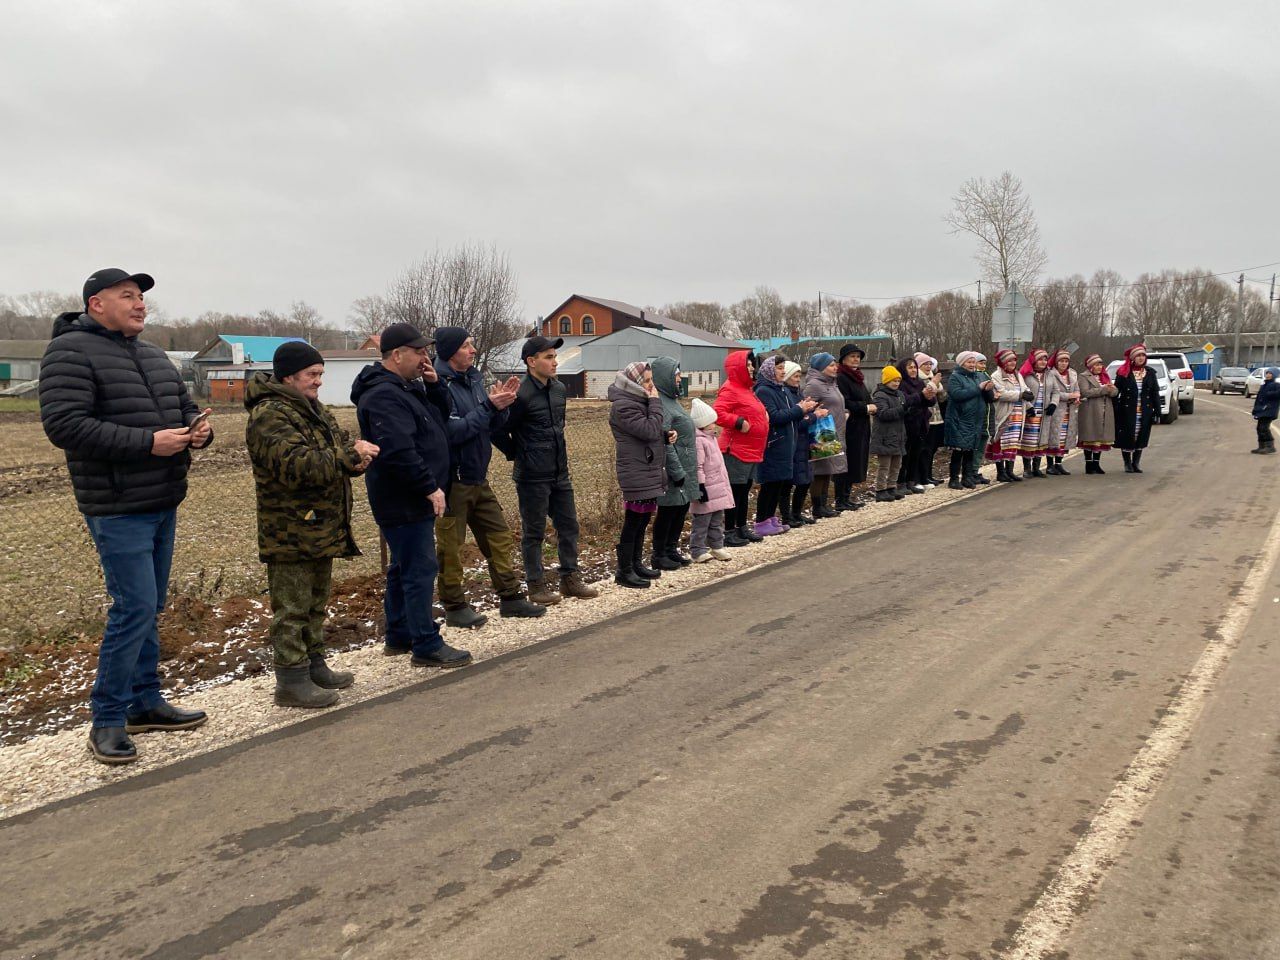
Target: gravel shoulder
{"type": "Point", "coordinates": [49, 768]}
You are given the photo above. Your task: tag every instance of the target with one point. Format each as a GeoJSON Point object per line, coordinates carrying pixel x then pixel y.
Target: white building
{"type": "Point", "coordinates": [341, 367]}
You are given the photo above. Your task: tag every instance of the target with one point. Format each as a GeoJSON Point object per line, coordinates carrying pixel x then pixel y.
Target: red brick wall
{"type": "Point", "coordinates": [575, 310]}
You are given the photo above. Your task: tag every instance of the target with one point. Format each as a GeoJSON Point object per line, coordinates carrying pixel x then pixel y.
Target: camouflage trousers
{"type": "Point", "coordinates": [299, 592]}
{"type": "Point", "coordinates": [474, 506]}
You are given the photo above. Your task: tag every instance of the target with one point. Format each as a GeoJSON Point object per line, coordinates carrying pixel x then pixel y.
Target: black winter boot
{"type": "Point", "coordinates": [1270, 447]}
{"type": "Point", "coordinates": [749, 535]}
{"type": "Point", "coordinates": [1001, 474]}
{"type": "Point", "coordinates": [660, 561]}
{"type": "Point", "coordinates": [1128, 461]}
{"type": "Point", "coordinates": [626, 575]}
{"type": "Point", "coordinates": [1035, 468]}
{"type": "Point", "coordinates": [518, 606]}
{"type": "Point", "coordinates": [637, 563]}
{"type": "Point", "coordinates": [1097, 462]}
{"type": "Point", "coordinates": [295, 688]}
{"type": "Point", "coordinates": [1137, 461]}
{"type": "Point", "coordinates": [322, 676]}
{"type": "Point", "coordinates": [1062, 471]}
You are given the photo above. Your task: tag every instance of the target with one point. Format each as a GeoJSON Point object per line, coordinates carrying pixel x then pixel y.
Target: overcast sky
{"type": "Point", "coordinates": [251, 154]}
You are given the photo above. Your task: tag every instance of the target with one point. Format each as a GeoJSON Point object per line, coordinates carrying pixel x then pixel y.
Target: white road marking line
{"type": "Point", "coordinates": [1050, 920]}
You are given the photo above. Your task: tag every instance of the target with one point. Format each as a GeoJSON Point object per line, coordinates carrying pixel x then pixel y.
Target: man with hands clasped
{"type": "Point", "coordinates": [402, 409]}
{"type": "Point", "coordinates": [119, 409]}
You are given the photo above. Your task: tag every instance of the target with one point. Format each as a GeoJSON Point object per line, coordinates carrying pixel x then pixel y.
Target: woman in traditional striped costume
{"type": "Point", "coordinates": [1097, 420]}
{"type": "Point", "coordinates": [1031, 445]}
{"type": "Point", "coordinates": [1011, 395]}
{"type": "Point", "coordinates": [1063, 389]}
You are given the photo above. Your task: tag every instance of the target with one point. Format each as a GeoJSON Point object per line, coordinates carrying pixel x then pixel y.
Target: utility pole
{"type": "Point", "coordinates": [1266, 331]}
{"type": "Point", "coordinates": [1235, 350]}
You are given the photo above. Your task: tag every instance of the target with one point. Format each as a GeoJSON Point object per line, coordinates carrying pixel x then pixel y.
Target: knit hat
{"type": "Point", "coordinates": [965, 355]}
{"type": "Point", "coordinates": [889, 374]}
{"type": "Point", "coordinates": [789, 370]}
{"type": "Point", "coordinates": [1003, 355]}
{"type": "Point", "coordinates": [449, 340]}
{"type": "Point", "coordinates": [923, 358]}
{"type": "Point", "coordinates": [849, 348]}
{"type": "Point", "coordinates": [702, 414]}
{"type": "Point", "coordinates": [820, 361]}
{"type": "Point", "coordinates": [292, 356]}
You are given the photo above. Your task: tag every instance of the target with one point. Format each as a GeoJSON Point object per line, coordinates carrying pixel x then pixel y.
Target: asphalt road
{"type": "Point", "coordinates": [884, 749]}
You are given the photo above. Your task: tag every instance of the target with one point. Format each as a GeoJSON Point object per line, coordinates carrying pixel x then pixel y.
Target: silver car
{"type": "Point", "coordinates": [1230, 380]}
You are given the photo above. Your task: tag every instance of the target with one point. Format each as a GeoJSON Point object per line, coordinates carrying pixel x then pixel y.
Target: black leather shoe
{"type": "Point", "coordinates": [660, 561]}
{"type": "Point", "coordinates": [112, 745]}
{"type": "Point", "coordinates": [446, 656]}
{"type": "Point", "coordinates": [164, 717]}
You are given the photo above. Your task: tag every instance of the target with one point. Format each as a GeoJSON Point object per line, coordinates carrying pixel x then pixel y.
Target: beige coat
{"type": "Point", "coordinates": [1057, 386]}
{"type": "Point", "coordinates": [1009, 389]}
{"type": "Point", "coordinates": [1097, 424]}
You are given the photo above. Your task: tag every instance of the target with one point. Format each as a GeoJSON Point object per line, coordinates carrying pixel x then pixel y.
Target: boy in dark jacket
{"type": "Point", "coordinates": [533, 438]}
{"type": "Point", "coordinates": [1265, 410]}
{"type": "Point", "coordinates": [474, 415]}
{"type": "Point", "coordinates": [118, 408]}
{"type": "Point", "coordinates": [402, 407]}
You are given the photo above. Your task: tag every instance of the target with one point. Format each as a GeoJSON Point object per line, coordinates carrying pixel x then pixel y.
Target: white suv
{"type": "Point", "coordinates": [1183, 378]}
{"type": "Point", "coordinates": [1168, 403]}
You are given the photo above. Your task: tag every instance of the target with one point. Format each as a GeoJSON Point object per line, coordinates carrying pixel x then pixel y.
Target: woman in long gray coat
{"type": "Point", "coordinates": [682, 470]}
{"type": "Point", "coordinates": [1097, 419]}
{"type": "Point", "coordinates": [636, 421]}
{"type": "Point", "coordinates": [1062, 426]}
{"type": "Point", "coordinates": [820, 385]}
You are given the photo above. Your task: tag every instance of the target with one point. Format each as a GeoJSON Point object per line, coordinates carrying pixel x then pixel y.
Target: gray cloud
{"type": "Point", "coordinates": [253, 154]}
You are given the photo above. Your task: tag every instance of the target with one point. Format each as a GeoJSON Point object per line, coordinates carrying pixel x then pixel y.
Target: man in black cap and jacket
{"type": "Point", "coordinates": [533, 437]}
{"type": "Point", "coordinates": [118, 408]}
{"type": "Point", "coordinates": [473, 415]}
{"type": "Point", "coordinates": [402, 407]}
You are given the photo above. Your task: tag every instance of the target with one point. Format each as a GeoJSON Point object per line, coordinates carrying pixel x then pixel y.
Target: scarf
{"type": "Point", "coordinates": [635, 371]}
{"type": "Point", "coordinates": [1126, 368]}
{"type": "Point", "coordinates": [1090, 360]}
{"type": "Point", "coordinates": [1029, 364]}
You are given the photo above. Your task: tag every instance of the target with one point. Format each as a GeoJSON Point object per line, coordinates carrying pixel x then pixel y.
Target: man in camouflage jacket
{"type": "Point", "coordinates": [302, 467]}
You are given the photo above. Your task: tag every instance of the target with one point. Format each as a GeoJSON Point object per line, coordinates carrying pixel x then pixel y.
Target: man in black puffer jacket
{"type": "Point", "coordinates": [533, 437]}
{"type": "Point", "coordinates": [118, 408]}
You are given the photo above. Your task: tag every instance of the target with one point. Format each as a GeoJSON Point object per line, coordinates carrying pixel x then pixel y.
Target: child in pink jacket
{"type": "Point", "coordinates": [706, 538]}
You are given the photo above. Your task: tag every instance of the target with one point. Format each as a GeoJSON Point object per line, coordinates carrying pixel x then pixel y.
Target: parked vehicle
{"type": "Point", "coordinates": [1253, 382]}
{"type": "Point", "coordinates": [1184, 378]}
{"type": "Point", "coordinates": [1229, 380]}
{"type": "Point", "coordinates": [1168, 404]}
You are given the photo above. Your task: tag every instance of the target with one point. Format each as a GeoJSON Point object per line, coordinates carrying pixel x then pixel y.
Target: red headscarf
{"type": "Point", "coordinates": [1093, 358]}
{"type": "Point", "coordinates": [1029, 364]}
{"type": "Point", "coordinates": [1126, 368]}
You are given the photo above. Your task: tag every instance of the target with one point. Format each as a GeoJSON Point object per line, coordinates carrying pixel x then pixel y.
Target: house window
{"type": "Point", "coordinates": [588, 325]}
{"type": "Point", "coordinates": [566, 326]}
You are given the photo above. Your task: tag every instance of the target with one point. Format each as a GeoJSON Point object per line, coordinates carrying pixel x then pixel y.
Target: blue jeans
{"type": "Point", "coordinates": [411, 579]}
{"type": "Point", "coordinates": [136, 551]}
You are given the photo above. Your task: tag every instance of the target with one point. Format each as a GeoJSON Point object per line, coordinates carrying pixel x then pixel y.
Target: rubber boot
{"type": "Point", "coordinates": [322, 676]}
{"type": "Point", "coordinates": [626, 575]}
{"type": "Point", "coordinates": [637, 563]}
{"type": "Point", "coordinates": [295, 688]}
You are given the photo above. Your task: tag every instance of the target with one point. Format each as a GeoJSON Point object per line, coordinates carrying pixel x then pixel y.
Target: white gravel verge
{"type": "Point", "coordinates": [56, 766]}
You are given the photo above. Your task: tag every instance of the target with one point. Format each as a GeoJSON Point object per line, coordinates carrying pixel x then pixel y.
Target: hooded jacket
{"type": "Point", "coordinates": [737, 401]}
{"type": "Point", "coordinates": [302, 468]}
{"type": "Point", "coordinates": [636, 421]}
{"type": "Point", "coordinates": [103, 397]}
{"type": "Point", "coordinates": [889, 425]}
{"type": "Point", "coordinates": [407, 422]}
{"type": "Point", "coordinates": [1267, 405]}
{"type": "Point", "coordinates": [471, 419]}
{"type": "Point", "coordinates": [712, 475]}
{"type": "Point", "coordinates": [682, 456]}
{"type": "Point", "coordinates": [966, 414]}
{"type": "Point", "coordinates": [785, 417]}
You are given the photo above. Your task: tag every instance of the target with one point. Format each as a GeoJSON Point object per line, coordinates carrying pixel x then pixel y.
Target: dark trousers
{"type": "Point", "coordinates": [767, 499]}
{"type": "Point", "coordinates": [844, 484]}
{"type": "Point", "coordinates": [668, 524]}
{"type": "Point", "coordinates": [797, 498]}
{"type": "Point", "coordinates": [136, 551]}
{"type": "Point", "coordinates": [633, 527]}
{"type": "Point", "coordinates": [553, 498]}
{"type": "Point", "coordinates": [737, 517]}
{"type": "Point", "coordinates": [411, 579]}
{"type": "Point", "coordinates": [1264, 429]}
{"type": "Point", "coordinates": [932, 443]}
{"type": "Point", "coordinates": [909, 472]}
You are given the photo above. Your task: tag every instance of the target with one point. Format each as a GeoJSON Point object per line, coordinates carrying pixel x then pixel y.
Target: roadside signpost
{"type": "Point", "coordinates": [1013, 320]}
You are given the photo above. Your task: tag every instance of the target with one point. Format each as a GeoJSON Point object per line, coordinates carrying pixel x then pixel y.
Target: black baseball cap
{"type": "Point", "coordinates": [402, 335]}
{"type": "Point", "coordinates": [538, 344]}
{"type": "Point", "coordinates": [110, 276]}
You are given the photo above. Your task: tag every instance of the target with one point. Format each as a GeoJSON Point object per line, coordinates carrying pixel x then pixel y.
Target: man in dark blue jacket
{"type": "Point", "coordinates": [116, 405]}
{"type": "Point", "coordinates": [473, 415]}
{"type": "Point", "coordinates": [402, 408]}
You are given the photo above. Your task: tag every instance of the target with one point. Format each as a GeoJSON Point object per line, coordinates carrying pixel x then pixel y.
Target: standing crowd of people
{"type": "Point", "coordinates": [802, 435]}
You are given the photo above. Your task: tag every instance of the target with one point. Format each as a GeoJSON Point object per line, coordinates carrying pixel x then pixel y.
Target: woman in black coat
{"type": "Point", "coordinates": [1137, 404]}
{"type": "Point", "coordinates": [857, 429]}
{"type": "Point", "coordinates": [918, 400]}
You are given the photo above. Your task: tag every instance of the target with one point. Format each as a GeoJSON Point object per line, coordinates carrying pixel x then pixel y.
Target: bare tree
{"type": "Point", "coordinates": [369, 316]}
{"type": "Point", "coordinates": [471, 286]}
{"type": "Point", "coordinates": [711, 317]}
{"type": "Point", "coordinates": [761, 315]}
{"type": "Point", "coordinates": [999, 214]}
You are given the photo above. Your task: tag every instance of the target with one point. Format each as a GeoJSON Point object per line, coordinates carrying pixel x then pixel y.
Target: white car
{"type": "Point", "coordinates": [1168, 404]}
{"type": "Point", "coordinates": [1184, 378]}
{"type": "Point", "coordinates": [1253, 382]}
